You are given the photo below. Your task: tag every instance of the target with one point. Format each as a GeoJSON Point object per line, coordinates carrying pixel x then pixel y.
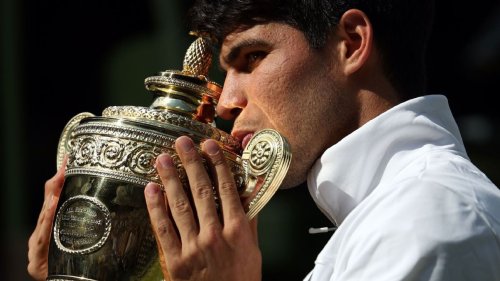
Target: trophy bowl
{"type": "Point", "coordinates": [102, 229]}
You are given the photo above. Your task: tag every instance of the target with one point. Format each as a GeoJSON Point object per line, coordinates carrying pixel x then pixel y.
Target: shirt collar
{"type": "Point", "coordinates": [350, 170]}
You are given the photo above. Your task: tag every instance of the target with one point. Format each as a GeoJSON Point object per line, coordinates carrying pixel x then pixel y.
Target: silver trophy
{"type": "Point", "coordinates": [102, 229]}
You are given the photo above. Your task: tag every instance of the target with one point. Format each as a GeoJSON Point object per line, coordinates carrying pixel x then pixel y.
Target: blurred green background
{"type": "Point", "coordinates": [59, 58]}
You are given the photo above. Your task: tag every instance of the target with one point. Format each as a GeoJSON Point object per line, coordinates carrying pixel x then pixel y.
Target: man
{"type": "Point", "coordinates": [344, 82]}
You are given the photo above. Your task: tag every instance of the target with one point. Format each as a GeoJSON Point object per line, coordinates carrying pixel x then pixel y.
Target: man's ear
{"type": "Point", "coordinates": [356, 40]}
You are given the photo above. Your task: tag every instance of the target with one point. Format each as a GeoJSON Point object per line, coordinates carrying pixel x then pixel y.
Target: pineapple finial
{"type": "Point", "coordinates": [198, 58]}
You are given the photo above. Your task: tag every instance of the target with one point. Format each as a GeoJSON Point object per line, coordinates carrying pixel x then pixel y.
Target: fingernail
{"type": "Point", "coordinates": [211, 147]}
{"type": "Point", "coordinates": [165, 161]}
{"type": "Point", "coordinates": [185, 144]}
{"type": "Point", "coordinates": [152, 190]}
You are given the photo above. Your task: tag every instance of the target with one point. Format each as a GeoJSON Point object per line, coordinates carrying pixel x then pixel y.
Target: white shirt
{"type": "Point", "coordinates": [408, 202]}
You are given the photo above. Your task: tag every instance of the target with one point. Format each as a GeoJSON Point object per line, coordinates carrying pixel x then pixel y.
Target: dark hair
{"type": "Point", "coordinates": [401, 28]}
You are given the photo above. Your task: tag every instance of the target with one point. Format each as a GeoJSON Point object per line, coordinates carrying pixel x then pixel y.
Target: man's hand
{"type": "Point", "coordinates": [38, 244]}
{"type": "Point", "coordinates": [195, 243]}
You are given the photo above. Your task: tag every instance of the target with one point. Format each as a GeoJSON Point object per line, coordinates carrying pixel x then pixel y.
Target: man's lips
{"type": "Point", "coordinates": [246, 139]}
{"type": "Point", "coordinates": [243, 136]}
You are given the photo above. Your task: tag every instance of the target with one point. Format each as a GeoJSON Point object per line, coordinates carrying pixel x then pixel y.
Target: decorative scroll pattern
{"type": "Point", "coordinates": [171, 118]}
{"type": "Point", "coordinates": [127, 153]}
{"type": "Point", "coordinates": [63, 140]}
{"type": "Point", "coordinates": [114, 150]}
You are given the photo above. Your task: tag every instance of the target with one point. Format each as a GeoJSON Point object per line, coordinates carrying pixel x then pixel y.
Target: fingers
{"type": "Point", "coordinates": [45, 225]}
{"type": "Point", "coordinates": [38, 244]}
{"type": "Point", "coordinates": [197, 246]}
{"type": "Point", "coordinates": [200, 183]}
{"type": "Point", "coordinates": [177, 199]}
{"type": "Point", "coordinates": [230, 200]}
{"type": "Point", "coordinates": [54, 185]}
{"type": "Point", "coordinates": [162, 225]}
{"type": "Point", "coordinates": [53, 188]}
{"type": "Point", "coordinates": [202, 191]}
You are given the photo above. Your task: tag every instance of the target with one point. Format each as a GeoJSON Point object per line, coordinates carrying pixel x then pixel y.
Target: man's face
{"type": "Point", "coordinates": [275, 80]}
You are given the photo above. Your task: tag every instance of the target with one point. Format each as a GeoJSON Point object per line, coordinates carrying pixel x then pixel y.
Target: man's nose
{"type": "Point", "coordinates": [233, 99]}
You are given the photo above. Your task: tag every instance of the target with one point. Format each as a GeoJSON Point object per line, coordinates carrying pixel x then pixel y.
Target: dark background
{"type": "Point", "coordinates": [60, 58]}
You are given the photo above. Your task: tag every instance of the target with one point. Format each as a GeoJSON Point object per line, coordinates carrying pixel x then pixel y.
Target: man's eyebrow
{"type": "Point", "coordinates": [235, 50]}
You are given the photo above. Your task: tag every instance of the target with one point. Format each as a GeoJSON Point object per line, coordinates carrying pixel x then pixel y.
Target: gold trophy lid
{"type": "Point", "coordinates": [188, 92]}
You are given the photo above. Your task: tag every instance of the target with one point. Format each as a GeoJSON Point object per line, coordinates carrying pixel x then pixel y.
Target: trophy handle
{"type": "Point", "coordinates": [265, 161]}
{"type": "Point", "coordinates": [62, 147]}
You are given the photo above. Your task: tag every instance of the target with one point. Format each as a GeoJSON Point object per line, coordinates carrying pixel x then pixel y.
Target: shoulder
{"type": "Point", "coordinates": [445, 197]}
{"type": "Point", "coordinates": [438, 183]}
{"type": "Point", "coordinates": [441, 219]}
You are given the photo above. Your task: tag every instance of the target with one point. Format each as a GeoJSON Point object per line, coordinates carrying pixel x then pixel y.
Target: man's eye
{"type": "Point", "coordinates": [254, 56]}
{"type": "Point", "coordinates": [253, 59]}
